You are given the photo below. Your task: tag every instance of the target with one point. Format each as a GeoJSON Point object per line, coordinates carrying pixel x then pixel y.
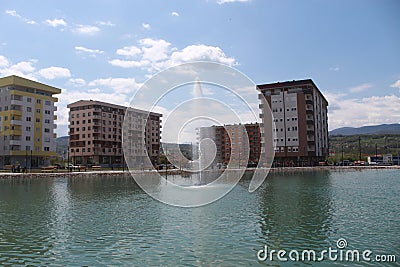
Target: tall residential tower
{"type": "Point", "coordinates": [26, 122]}
{"type": "Point", "coordinates": [301, 123]}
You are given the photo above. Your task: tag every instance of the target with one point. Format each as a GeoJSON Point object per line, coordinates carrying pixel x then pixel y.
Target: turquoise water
{"type": "Point", "coordinates": [110, 221]}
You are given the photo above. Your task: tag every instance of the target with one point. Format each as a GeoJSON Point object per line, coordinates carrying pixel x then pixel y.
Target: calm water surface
{"type": "Point", "coordinates": [110, 221]}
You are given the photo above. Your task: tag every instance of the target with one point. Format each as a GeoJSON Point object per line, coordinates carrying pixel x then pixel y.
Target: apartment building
{"type": "Point", "coordinates": [301, 123]}
{"type": "Point", "coordinates": [231, 145]}
{"type": "Point", "coordinates": [96, 131]}
{"type": "Point", "coordinates": [27, 122]}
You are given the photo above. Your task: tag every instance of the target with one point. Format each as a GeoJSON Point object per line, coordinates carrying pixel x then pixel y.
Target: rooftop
{"type": "Point", "coordinates": [23, 82]}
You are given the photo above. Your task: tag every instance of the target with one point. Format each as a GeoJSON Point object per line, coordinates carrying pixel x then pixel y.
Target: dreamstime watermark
{"type": "Point", "coordinates": [192, 98]}
{"type": "Point", "coordinates": [339, 253]}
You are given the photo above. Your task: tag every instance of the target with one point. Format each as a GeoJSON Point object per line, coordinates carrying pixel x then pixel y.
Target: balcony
{"type": "Point", "coordinates": [310, 112]}
{"type": "Point", "coordinates": [310, 122]}
{"type": "Point", "coordinates": [309, 102]}
{"type": "Point", "coordinates": [15, 142]}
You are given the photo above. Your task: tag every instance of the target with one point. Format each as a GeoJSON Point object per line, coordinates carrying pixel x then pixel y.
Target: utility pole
{"type": "Point", "coordinates": [342, 156]}
{"type": "Point", "coordinates": [359, 145]}
{"type": "Point", "coordinates": [376, 152]}
{"type": "Point", "coordinates": [68, 160]}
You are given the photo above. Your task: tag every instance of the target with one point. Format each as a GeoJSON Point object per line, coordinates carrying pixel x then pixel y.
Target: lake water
{"type": "Point", "coordinates": [111, 221]}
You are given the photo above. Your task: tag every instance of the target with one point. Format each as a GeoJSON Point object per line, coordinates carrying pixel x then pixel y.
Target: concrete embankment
{"type": "Point", "coordinates": [6, 175]}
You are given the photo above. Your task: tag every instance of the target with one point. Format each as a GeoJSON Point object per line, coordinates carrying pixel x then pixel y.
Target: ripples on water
{"type": "Point", "coordinates": [111, 221]}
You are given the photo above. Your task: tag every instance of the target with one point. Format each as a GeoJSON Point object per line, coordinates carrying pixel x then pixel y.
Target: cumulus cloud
{"type": "Point", "coordinates": [55, 22]}
{"type": "Point", "coordinates": [175, 14]}
{"type": "Point", "coordinates": [54, 73]}
{"type": "Point", "coordinates": [90, 52]}
{"type": "Point", "coordinates": [360, 88]}
{"type": "Point", "coordinates": [77, 82]}
{"type": "Point", "coordinates": [396, 84]}
{"type": "Point", "coordinates": [14, 13]}
{"type": "Point", "coordinates": [357, 112]}
{"type": "Point", "coordinates": [86, 29]}
{"type": "Point", "coordinates": [119, 85]}
{"type": "Point", "coordinates": [157, 54]}
{"type": "Point", "coordinates": [129, 51]}
{"type": "Point", "coordinates": [146, 26]}
{"type": "Point", "coordinates": [23, 69]}
{"type": "Point", "coordinates": [3, 61]}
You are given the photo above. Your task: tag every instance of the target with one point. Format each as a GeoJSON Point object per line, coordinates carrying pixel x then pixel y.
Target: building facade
{"type": "Point", "coordinates": [96, 134]}
{"type": "Point", "coordinates": [27, 122]}
{"type": "Point", "coordinates": [231, 145]}
{"type": "Point", "coordinates": [299, 114]}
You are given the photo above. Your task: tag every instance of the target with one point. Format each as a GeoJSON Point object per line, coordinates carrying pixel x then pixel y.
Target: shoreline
{"type": "Point", "coordinates": [10, 175]}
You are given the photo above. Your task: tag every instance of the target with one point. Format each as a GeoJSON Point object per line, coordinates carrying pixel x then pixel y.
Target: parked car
{"type": "Point", "coordinates": [58, 166]}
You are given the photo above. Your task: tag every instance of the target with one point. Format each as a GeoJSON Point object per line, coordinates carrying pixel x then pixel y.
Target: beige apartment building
{"type": "Point", "coordinates": [96, 132]}
{"type": "Point", "coordinates": [301, 123]}
{"type": "Point", "coordinates": [27, 122]}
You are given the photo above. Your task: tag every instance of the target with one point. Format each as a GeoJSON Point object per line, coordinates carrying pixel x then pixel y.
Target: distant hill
{"type": "Point", "coordinates": [375, 129]}
{"type": "Point", "coordinates": [61, 144]}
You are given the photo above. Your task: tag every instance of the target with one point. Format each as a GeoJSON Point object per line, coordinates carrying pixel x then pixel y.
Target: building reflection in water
{"type": "Point", "coordinates": [295, 210]}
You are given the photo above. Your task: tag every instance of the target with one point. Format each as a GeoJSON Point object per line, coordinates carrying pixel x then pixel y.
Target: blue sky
{"type": "Point", "coordinates": [106, 49]}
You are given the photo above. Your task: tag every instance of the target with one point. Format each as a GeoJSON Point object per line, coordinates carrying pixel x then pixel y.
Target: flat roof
{"type": "Point", "coordinates": [269, 86]}
{"type": "Point", "coordinates": [80, 103]}
{"type": "Point", "coordinates": [23, 82]}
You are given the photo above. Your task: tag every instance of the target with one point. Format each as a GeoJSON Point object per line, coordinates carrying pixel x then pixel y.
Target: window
{"type": "Point", "coordinates": [38, 101]}
{"type": "Point", "coordinates": [28, 148]}
{"type": "Point", "coordinates": [28, 138]}
{"type": "Point", "coordinates": [38, 110]}
{"type": "Point", "coordinates": [37, 119]}
{"type": "Point", "coordinates": [29, 100]}
{"type": "Point", "coordinates": [47, 103]}
{"type": "Point", "coordinates": [47, 121]}
{"type": "Point", "coordinates": [47, 112]}
{"type": "Point", "coordinates": [28, 109]}
{"type": "Point", "coordinates": [72, 115]}
{"type": "Point", "coordinates": [6, 118]}
{"type": "Point", "coordinates": [5, 108]}
{"type": "Point", "coordinates": [28, 128]}
{"type": "Point", "coordinates": [47, 140]}
{"type": "Point", "coordinates": [46, 130]}
{"type": "Point", "coordinates": [46, 148]}
{"type": "Point", "coordinates": [28, 118]}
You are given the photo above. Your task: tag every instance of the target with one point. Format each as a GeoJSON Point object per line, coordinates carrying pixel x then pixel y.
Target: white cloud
{"type": "Point", "coordinates": [54, 73]}
{"type": "Point", "coordinates": [105, 23]}
{"type": "Point", "coordinates": [55, 22]}
{"type": "Point", "coordinates": [334, 68]}
{"type": "Point", "coordinates": [91, 52]}
{"type": "Point", "coordinates": [201, 52]}
{"type": "Point", "coordinates": [23, 69]}
{"type": "Point", "coordinates": [119, 85]}
{"type": "Point", "coordinates": [86, 29]}
{"type": "Point", "coordinates": [154, 50]}
{"type": "Point", "coordinates": [4, 61]}
{"type": "Point", "coordinates": [360, 88]}
{"type": "Point", "coordinates": [128, 63]}
{"type": "Point", "coordinates": [157, 54]}
{"type": "Point", "coordinates": [175, 14]}
{"type": "Point", "coordinates": [14, 13]}
{"type": "Point", "coordinates": [129, 51]}
{"type": "Point", "coordinates": [77, 82]}
{"type": "Point", "coordinates": [396, 84]}
{"type": "Point", "coordinates": [231, 1]}
{"type": "Point", "coordinates": [364, 111]}
{"type": "Point", "coordinates": [146, 26]}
